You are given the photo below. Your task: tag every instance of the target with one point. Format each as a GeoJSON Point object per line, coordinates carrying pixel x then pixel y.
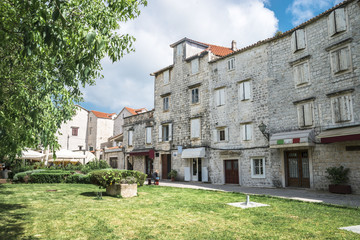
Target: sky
{"type": "Point", "coordinates": [163, 22]}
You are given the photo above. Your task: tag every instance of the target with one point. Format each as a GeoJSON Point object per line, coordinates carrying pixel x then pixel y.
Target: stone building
{"type": "Point", "coordinates": [72, 134]}
{"type": "Point", "coordinates": [276, 113]}
{"type": "Point", "coordinates": [139, 142]}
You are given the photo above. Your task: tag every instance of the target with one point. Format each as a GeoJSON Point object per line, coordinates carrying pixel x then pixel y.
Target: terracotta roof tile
{"type": "Point", "coordinates": [102, 115]}
{"type": "Point", "coordinates": [136, 111]}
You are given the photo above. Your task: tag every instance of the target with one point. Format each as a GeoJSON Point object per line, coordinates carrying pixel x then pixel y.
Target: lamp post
{"type": "Point", "coordinates": [262, 128]}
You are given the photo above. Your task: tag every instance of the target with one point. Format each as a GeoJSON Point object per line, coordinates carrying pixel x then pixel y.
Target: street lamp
{"type": "Point", "coordinates": [262, 128]}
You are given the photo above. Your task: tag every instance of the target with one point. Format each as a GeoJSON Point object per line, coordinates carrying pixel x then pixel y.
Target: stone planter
{"type": "Point", "coordinates": [124, 190]}
{"type": "Point", "coordinates": [338, 188]}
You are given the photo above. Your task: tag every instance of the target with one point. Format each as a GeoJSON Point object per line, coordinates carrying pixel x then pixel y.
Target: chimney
{"type": "Point", "coordinates": [233, 45]}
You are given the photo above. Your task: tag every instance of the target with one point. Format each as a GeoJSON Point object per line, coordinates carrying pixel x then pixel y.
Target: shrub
{"type": "Point", "coordinates": [94, 165]}
{"type": "Point", "coordinates": [338, 175]}
{"type": "Point", "coordinates": [78, 178]}
{"type": "Point", "coordinates": [107, 177]}
{"type": "Point", "coordinates": [48, 177]}
{"type": "Point", "coordinates": [19, 177]}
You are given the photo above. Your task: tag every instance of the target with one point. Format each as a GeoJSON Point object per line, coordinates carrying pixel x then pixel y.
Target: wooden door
{"type": "Point", "coordinates": [165, 165]}
{"type": "Point", "coordinates": [297, 169]}
{"type": "Point", "coordinates": [232, 171]}
{"type": "Point", "coordinates": [149, 163]}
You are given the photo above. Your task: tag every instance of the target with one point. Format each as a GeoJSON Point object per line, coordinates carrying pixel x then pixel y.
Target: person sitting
{"type": "Point", "coordinates": [155, 176]}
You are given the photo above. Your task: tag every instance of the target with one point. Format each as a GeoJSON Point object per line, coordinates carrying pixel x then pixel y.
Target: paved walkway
{"type": "Point", "coordinates": [306, 195]}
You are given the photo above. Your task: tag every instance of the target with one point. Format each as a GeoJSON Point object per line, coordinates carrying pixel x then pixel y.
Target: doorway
{"type": "Point", "coordinates": [196, 169]}
{"type": "Point", "coordinates": [149, 166]}
{"type": "Point", "coordinates": [165, 165]}
{"type": "Point", "coordinates": [297, 169]}
{"type": "Point", "coordinates": [232, 171]}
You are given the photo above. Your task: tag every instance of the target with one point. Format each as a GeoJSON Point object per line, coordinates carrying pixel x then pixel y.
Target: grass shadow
{"type": "Point", "coordinates": [89, 194]}
{"type": "Point", "coordinates": [11, 221]}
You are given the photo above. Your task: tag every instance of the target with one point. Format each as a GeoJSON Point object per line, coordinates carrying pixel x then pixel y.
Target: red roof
{"type": "Point", "coordinates": [136, 111]}
{"type": "Point", "coordinates": [102, 115]}
{"type": "Point", "coordinates": [218, 50]}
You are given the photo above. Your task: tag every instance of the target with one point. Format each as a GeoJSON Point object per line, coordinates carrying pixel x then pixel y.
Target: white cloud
{"type": "Point", "coordinates": [303, 10]}
{"type": "Point", "coordinates": [163, 22]}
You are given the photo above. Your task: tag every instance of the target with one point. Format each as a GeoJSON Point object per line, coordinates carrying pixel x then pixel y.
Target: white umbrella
{"type": "Point", "coordinates": [33, 155]}
{"type": "Point", "coordinates": [89, 157]}
{"type": "Point", "coordinates": [67, 154]}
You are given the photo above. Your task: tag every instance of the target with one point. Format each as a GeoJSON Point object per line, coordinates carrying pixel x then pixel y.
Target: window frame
{"type": "Point", "coordinates": [231, 64]}
{"type": "Point", "coordinates": [168, 131]}
{"type": "Point", "coordinates": [75, 131]}
{"type": "Point", "coordinates": [195, 68]}
{"type": "Point", "coordinates": [193, 133]}
{"type": "Point", "coordinates": [148, 135]}
{"type": "Point", "coordinates": [335, 55]}
{"type": "Point", "coordinates": [243, 94]}
{"type": "Point", "coordinates": [298, 40]}
{"type": "Point", "coordinates": [166, 77]}
{"type": "Point", "coordinates": [218, 133]}
{"type": "Point", "coordinates": [304, 118]}
{"type": "Point", "coordinates": [247, 132]}
{"type": "Point", "coordinates": [334, 19]}
{"type": "Point", "coordinates": [195, 95]}
{"type": "Point", "coordinates": [130, 138]}
{"type": "Point", "coordinates": [166, 103]}
{"type": "Point", "coordinates": [302, 69]}
{"type": "Point", "coordinates": [220, 96]}
{"type": "Point", "coordinates": [341, 107]}
{"type": "Point", "coordinates": [254, 167]}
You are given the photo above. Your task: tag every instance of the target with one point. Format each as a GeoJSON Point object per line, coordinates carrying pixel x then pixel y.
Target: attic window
{"type": "Point", "coordinates": [231, 64]}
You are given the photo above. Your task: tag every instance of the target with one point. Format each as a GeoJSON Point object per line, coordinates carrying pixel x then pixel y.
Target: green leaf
{"type": "Point", "coordinates": [90, 37]}
{"type": "Point", "coordinates": [55, 14]}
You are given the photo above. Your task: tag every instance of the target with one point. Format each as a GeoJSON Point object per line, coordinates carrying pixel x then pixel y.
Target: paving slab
{"type": "Point", "coordinates": [306, 195]}
{"type": "Point", "coordinates": [355, 229]}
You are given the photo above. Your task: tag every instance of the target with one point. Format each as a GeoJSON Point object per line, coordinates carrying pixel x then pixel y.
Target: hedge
{"type": "Point", "coordinates": [78, 178]}
{"type": "Point", "coordinates": [48, 177]}
{"type": "Point", "coordinates": [107, 177]}
{"type": "Point", "coordinates": [19, 177]}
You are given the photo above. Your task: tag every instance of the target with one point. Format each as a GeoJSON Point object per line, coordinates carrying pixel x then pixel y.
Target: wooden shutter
{"type": "Point", "coordinates": [241, 91]}
{"type": "Point", "coordinates": [195, 65]}
{"type": "Point", "coordinates": [247, 90]}
{"type": "Point", "coordinates": [170, 131]}
{"type": "Point", "coordinates": [148, 134]}
{"type": "Point", "coordinates": [345, 108]}
{"type": "Point", "coordinates": [336, 109]}
{"type": "Point", "coordinates": [293, 42]}
{"type": "Point", "coordinates": [243, 129]}
{"type": "Point", "coordinates": [344, 59]}
{"type": "Point", "coordinates": [300, 38]}
{"type": "Point", "coordinates": [308, 114]}
{"type": "Point", "coordinates": [340, 20]}
{"type": "Point", "coordinates": [217, 97]}
{"type": "Point", "coordinates": [226, 130]}
{"type": "Point", "coordinates": [335, 61]}
{"type": "Point", "coordinates": [130, 138]}
{"type": "Point", "coordinates": [249, 131]}
{"type": "Point", "coordinates": [331, 22]}
{"type": "Point", "coordinates": [160, 133]}
{"type": "Point", "coordinates": [222, 96]}
{"type": "Point", "coordinates": [195, 128]}
{"type": "Point", "coordinates": [301, 116]}
{"type": "Point", "coordinates": [305, 73]}
{"type": "Point", "coordinates": [166, 77]}
{"type": "Point", "coordinates": [215, 135]}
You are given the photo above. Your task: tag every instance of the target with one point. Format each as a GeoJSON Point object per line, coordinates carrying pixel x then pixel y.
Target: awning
{"type": "Point", "coordinates": [150, 153]}
{"type": "Point", "coordinates": [193, 153]}
{"type": "Point", "coordinates": [67, 154]}
{"type": "Point", "coordinates": [340, 134]}
{"type": "Point", "coordinates": [302, 138]}
{"type": "Point", "coordinates": [33, 155]}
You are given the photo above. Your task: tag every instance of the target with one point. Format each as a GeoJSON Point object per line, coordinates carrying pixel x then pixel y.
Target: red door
{"type": "Point", "coordinates": [232, 171]}
{"type": "Point", "coordinates": [165, 165]}
{"type": "Point", "coordinates": [297, 169]}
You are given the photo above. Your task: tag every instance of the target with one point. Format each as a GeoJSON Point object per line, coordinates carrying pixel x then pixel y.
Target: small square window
{"type": "Point", "coordinates": [74, 131]}
{"type": "Point", "coordinates": [221, 134]}
{"type": "Point", "coordinates": [258, 167]}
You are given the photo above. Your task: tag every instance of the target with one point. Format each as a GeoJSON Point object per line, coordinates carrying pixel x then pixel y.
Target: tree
{"type": "Point", "coordinates": [48, 50]}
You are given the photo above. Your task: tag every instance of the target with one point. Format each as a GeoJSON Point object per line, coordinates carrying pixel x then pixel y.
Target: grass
{"type": "Point", "coordinates": [29, 211]}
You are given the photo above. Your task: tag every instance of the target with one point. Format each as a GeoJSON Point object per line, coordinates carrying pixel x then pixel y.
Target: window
{"type": "Point", "coordinates": [166, 76]}
{"type": "Point", "coordinates": [166, 103]}
{"type": "Point", "coordinates": [165, 132]}
{"type": "Point", "coordinates": [337, 21]}
{"type": "Point", "coordinates": [220, 96]}
{"type": "Point", "coordinates": [179, 50]}
{"type": "Point", "coordinates": [90, 131]}
{"type": "Point", "coordinates": [244, 90]}
{"type": "Point", "coordinates": [74, 131]}
{"type": "Point", "coordinates": [194, 95]}
{"type": "Point", "coordinates": [340, 60]}
{"type": "Point", "coordinates": [114, 162]}
{"type": "Point", "coordinates": [130, 137]}
{"type": "Point", "coordinates": [231, 63]}
{"type": "Point", "coordinates": [194, 66]}
{"type": "Point", "coordinates": [91, 148]}
{"type": "Point", "coordinates": [195, 128]}
{"type": "Point", "coordinates": [90, 119]}
{"type": "Point", "coordinates": [301, 73]}
{"type": "Point", "coordinates": [298, 40]}
{"type": "Point", "coordinates": [246, 130]}
{"type": "Point", "coordinates": [342, 109]}
{"type": "Point", "coordinates": [258, 167]}
{"type": "Point", "coordinates": [80, 148]}
{"type": "Point", "coordinates": [221, 134]}
{"type": "Point", "coordinates": [305, 114]}
{"type": "Point", "coordinates": [148, 135]}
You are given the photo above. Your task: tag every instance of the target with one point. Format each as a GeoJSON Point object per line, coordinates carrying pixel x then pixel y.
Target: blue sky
{"type": "Point", "coordinates": [163, 22]}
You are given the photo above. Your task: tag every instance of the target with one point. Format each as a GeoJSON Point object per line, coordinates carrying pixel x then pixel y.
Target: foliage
{"type": "Point", "coordinates": [29, 211]}
{"type": "Point", "coordinates": [48, 177]}
{"type": "Point", "coordinates": [19, 177]}
{"type": "Point", "coordinates": [107, 177]}
{"type": "Point", "coordinates": [94, 165]}
{"type": "Point", "coordinates": [78, 178]}
{"type": "Point", "coordinates": [338, 175]}
{"type": "Point", "coordinates": [19, 169]}
{"type": "Point", "coordinates": [49, 50]}
{"type": "Point", "coordinates": [173, 173]}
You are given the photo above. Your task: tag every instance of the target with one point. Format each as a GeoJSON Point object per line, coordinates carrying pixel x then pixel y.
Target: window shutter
{"type": "Point", "coordinates": [247, 90]}
{"type": "Point", "coordinates": [345, 110]}
{"type": "Point", "coordinates": [340, 20]}
{"type": "Point", "coordinates": [227, 134]}
{"type": "Point", "coordinates": [344, 59]}
{"type": "Point", "coordinates": [160, 133]}
{"type": "Point", "coordinates": [222, 96]}
{"type": "Point", "coordinates": [166, 77]}
{"type": "Point", "coordinates": [301, 116]}
{"type": "Point", "coordinates": [241, 91]}
{"type": "Point", "coordinates": [195, 65]}
{"type": "Point", "coordinates": [308, 116]}
{"type": "Point", "coordinates": [300, 38]}
{"type": "Point", "coordinates": [305, 73]}
{"type": "Point", "coordinates": [336, 108]}
{"type": "Point", "coordinates": [217, 97]}
{"type": "Point", "coordinates": [331, 21]}
{"type": "Point", "coordinates": [148, 134]}
{"type": "Point", "coordinates": [335, 61]}
{"type": "Point", "coordinates": [170, 131]}
{"type": "Point", "coordinates": [297, 75]}
{"type": "Point", "coordinates": [348, 108]}
{"type": "Point", "coordinates": [215, 135]}
{"type": "Point", "coordinates": [196, 131]}
{"type": "Point", "coordinates": [293, 42]}
{"type": "Point", "coordinates": [249, 131]}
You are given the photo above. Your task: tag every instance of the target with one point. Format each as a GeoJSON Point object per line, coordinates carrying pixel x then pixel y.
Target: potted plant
{"type": "Point", "coordinates": [172, 174]}
{"type": "Point", "coordinates": [338, 177]}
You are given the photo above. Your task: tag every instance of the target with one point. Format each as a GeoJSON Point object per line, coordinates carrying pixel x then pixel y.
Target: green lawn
{"type": "Point", "coordinates": [29, 211]}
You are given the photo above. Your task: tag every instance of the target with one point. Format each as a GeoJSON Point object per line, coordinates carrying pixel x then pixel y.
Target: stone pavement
{"type": "Point", "coordinates": [307, 195]}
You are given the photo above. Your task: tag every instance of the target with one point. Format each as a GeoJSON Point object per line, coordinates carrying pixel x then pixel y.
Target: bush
{"type": "Point", "coordinates": [78, 178]}
{"type": "Point", "coordinates": [94, 165]}
{"type": "Point", "coordinates": [107, 177]}
{"type": "Point", "coordinates": [48, 177]}
{"type": "Point", "coordinates": [338, 175]}
{"type": "Point", "coordinates": [19, 177]}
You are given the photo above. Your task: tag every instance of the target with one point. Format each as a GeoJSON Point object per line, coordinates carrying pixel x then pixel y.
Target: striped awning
{"type": "Point", "coordinates": [292, 139]}
{"type": "Point", "coordinates": [340, 134]}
